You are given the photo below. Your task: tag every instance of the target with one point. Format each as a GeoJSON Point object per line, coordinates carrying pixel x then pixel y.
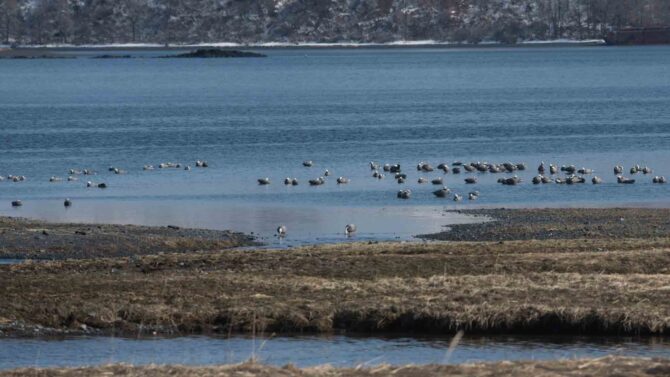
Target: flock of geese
{"type": "Point", "coordinates": [547, 173]}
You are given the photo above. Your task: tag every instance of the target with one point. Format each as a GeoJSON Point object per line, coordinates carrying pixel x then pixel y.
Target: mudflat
{"type": "Point", "coordinates": [581, 285]}
{"type": "Point", "coordinates": [607, 366]}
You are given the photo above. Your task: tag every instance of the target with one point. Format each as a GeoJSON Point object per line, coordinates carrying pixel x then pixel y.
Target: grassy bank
{"type": "Point", "coordinates": [608, 366]}
{"type": "Point", "coordinates": [587, 286]}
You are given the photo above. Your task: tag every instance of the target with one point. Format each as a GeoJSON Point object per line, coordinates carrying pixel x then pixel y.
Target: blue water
{"type": "Point", "coordinates": [310, 351]}
{"type": "Point", "coordinates": [252, 118]}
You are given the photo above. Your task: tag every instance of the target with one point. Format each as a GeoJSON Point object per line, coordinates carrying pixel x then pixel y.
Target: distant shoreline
{"type": "Point", "coordinates": [308, 45]}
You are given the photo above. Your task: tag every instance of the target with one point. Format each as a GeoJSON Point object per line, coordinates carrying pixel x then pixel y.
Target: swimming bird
{"type": "Point", "coordinates": [537, 179]}
{"type": "Point", "coordinates": [404, 194]}
{"type": "Point", "coordinates": [473, 195]}
{"type": "Point", "coordinates": [102, 185]}
{"type": "Point", "coordinates": [67, 203]}
{"type": "Point", "coordinates": [624, 180]}
{"type": "Point", "coordinates": [394, 168]}
{"type": "Point", "coordinates": [287, 181]}
{"type": "Point", "coordinates": [438, 181]}
{"type": "Point", "coordinates": [294, 182]}
{"type": "Point", "coordinates": [471, 180]}
{"type": "Point", "coordinates": [308, 163]}
{"type": "Point", "coordinates": [456, 170]}
{"type": "Point", "coordinates": [148, 167]}
{"type": "Point", "coordinates": [317, 182]}
{"type": "Point", "coordinates": [187, 167]}
{"type": "Point", "coordinates": [17, 203]}
{"type": "Point", "coordinates": [442, 193]}
{"type": "Point", "coordinates": [659, 179]}
{"type": "Point", "coordinates": [618, 170]}
{"type": "Point", "coordinates": [349, 229]}
{"type": "Point", "coordinates": [457, 198]}
{"type": "Point", "coordinates": [468, 168]}
{"type": "Point", "coordinates": [264, 181]}
{"type": "Point", "coordinates": [596, 180]}
{"type": "Point", "coordinates": [326, 173]}
{"type": "Point", "coordinates": [540, 169]}
{"type": "Point", "coordinates": [422, 180]}
{"type": "Point", "coordinates": [374, 165]}
{"type": "Point", "coordinates": [553, 169]}
{"type": "Point", "coordinates": [281, 231]}
{"type": "Point", "coordinates": [647, 170]}
{"type": "Point", "coordinates": [521, 166]}
{"type": "Point", "coordinates": [55, 179]}
{"type": "Point", "coordinates": [585, 171]}
{"type": "Point", "coordinates": [444, 167]}
{"type": "Point", "coordinates": [401, 180]}
{"type": "Point", "coordinates": [342, 181]}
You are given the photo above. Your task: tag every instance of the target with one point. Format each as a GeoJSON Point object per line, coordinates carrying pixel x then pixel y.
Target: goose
{"type": "Point", "coordinates": [618, 170]}
{"type": "Point", "coordinates": [422, 180]}
{"type": "Point", "coordinates": [553, 169]}
{"type": "Point", "coordinates": [326, 173]}
{"type": "Point", "coordinates": [88, 172]}
{"type": "Point", "coordinates": [17, 203]}
{"type": "Point", "coordinates": [374, 165]}
{"type": "Point", "coordinates": [400, 175]}
{"type": "Point", "coordinates": [537, 179]}
{"type": "Point", "coordinates": [571, 180]}
{"type": "Point", "coordinates": [89, 184]}
{"type": "Point", "coordinates": [404, 194]}
{"type": "Point", "coordinates": [444, 167]}
{"type": "Point", "coordinates": [71, 179]}
{"type": "Point", "coordinates": [624, 180]}
{"type": "Point", "coordinates": [596, 180]}
{"type": "Point", "coordinates": [308, 163]}
{"type": "Point", "coordinates": [317, 182]}
{"type": "Point", "coordinates": [294, 182]}
{"type": "Point", "coordinates": [546, 179]}
{"type": "Point", "coordinates": [349, 229]}
{"type": "Point", "coordinates": [457, 198]}
{"type": "Point", "coordinates": [457, 163]}
{"type": "Point", "coordinates": [437, 181]}
{"type": "Point", "coordinates": [281, 231]}
{"type": "Point", "coordinates": [585, 171]}
{"type": "Point", "coordinates": [468, 168]}
{"type": "Point", "coordinates": [513, 181]}
{"type": "Point", "coordinates": [660, 180]}
{"type": "Point", "coordinates": [560, 181]}
{"type": "Point", "coordinates": [647, 170]}
{"type": "Point", "coordinates": [401, 180]}
{"type": "Point", "coordinates": [67, 203]}
{"type": "Point", "coordinates": [442, 193]}
{"type": "Point", "coordinates": [55, 179]}
{"type": "Point", "coordinates": [387, 168]}
{"type": "Point", "coordinates": [102, 185]}
{"type": "Point", "coordinates": [148, 167]}
{"type": "Point", "coordinates": [342, 181]}
{"type": "Point", "coordinates": [540, 169]}
{"type": "Point", "coordinates": [510, 167]}
{"type": "Point", "coordinates": [201, 164]}
{"type": "Point", "coordinates": [264, 181]}
{"type": "Point", "coordinates": [471, 180]}
{"type": "Point", "coordinates": [456, 170]}
{"type": "Point", "coordinates": [74, 172]}
{"type": "Point", "coordinates": [635, 169]}
{"type": "Point", "coordinates": [570, 169]}
{"type": "Point", "coordinates": [522, 166]}
{"type": "Point", "coordinates": [187, 168]}
{"type": "Point", "coordinates": [287, 181]}
{"type": "Point", "coordinates": [473, 195]}
{"type": "Point", "coordinates": [395, 168]}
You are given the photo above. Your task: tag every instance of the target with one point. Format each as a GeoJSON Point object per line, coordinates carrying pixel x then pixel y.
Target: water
{"type": "Point", "coordinates": [310, 351]}
{"type": "Point", "coordinates": [252, 118]}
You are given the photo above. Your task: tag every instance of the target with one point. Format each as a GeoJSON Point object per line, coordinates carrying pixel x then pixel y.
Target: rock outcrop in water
{"type": "Point", "coordinates": [209, 53]}
{"type": "Point", "coordinates": [294, 21]}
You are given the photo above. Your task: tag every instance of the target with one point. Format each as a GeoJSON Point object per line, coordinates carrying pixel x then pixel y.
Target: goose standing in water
{"type": "Point", "coordinates": [264, 181]}
{"type": "Point", "coordinates": [350, 229]}
{"type": "Point", "coordinates": [281, 231]}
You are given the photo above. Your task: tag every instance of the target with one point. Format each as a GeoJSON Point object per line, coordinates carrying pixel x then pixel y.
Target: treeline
{"type": "Point", "coordinates": [246, 21]}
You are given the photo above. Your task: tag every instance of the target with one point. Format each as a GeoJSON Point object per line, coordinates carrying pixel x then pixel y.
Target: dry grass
{"type": "Point", "coordinates": [608, 366]}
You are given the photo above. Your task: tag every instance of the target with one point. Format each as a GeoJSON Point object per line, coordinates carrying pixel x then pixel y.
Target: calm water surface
{"type": "Point", "coordinates": [311, 351]}
{"type": "Point", "coordinates": [252, 118]}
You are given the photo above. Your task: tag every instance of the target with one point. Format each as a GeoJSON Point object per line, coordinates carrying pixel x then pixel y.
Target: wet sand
{"type": "Point", "coordinates": [608, 366]}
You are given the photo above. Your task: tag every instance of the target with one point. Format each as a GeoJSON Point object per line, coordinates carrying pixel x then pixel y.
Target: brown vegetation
{"type": "Point", "coordinates": [601, 285]}
{"type": "Point", "coordinates": [608, 366]}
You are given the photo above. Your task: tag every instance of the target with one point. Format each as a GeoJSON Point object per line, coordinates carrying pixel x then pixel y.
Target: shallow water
{"type": "Point", "coordinates": [310, 351]}
{"type": "Point", "coordinates": [252, 118]}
